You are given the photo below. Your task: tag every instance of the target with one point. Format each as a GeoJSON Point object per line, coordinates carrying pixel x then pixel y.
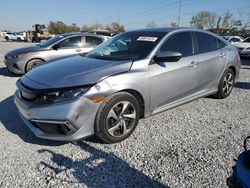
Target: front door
{"type": "Point", "coordinates": [67, 47]}
{"type": "Point", "coordinates": [170, 82]}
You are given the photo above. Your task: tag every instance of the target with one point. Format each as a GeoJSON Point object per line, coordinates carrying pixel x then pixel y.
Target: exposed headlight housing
{"type": "Point", "coordinates": [59, 96]}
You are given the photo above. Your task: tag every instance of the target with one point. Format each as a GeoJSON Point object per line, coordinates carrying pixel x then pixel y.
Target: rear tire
{"type": "Point", "coordinates": [7, 38]}
{"type": "Point", "coordinates": [117, 117]}
{"type": "Point", "coordinates": [226, 84]}
{"type": "Point", "coordinates": [19, 39]}
{"type": "Point", "coordinates": [33, 64]}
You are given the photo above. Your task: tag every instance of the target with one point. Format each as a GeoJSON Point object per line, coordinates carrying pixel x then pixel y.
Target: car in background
{"type": "Point", "coordinates": [22, 60]}
{"type": "Point", "coordinates": [233, 39]}
{"type": "Point", "coordinates": [15, 36]}
{"type": "Point", "coordinates": [131, 76]}
{"type": "Point", "coordinates": [3, 33]}
{"type": "Point", "coordinates": [243, 47]}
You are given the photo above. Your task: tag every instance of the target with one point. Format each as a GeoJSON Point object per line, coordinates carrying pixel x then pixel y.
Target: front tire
{"type": "Point", "coordinates": [33, 64]}
{"type": "Point", "coordinates": [226, 84]}
{"type": "Point", "coordinates": [117, 117]}
{"type": "Point", "coordinates": [19, 39]}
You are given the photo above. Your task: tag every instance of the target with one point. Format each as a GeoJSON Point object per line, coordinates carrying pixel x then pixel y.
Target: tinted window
{"type": "Point", "coordinates": [180, 42]}
{"type": "Point", "coordinates": [71, 42]}
{"type": "Point", "coordinates": [94, 41]}
{"type": "Point", "coordinates": [206, 42]}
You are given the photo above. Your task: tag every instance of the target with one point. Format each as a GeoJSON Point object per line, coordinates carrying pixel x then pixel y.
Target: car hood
{"type": "Point", "coordinates": [73, 71]}
{"type": "Point", "coordinates": [25, 50]}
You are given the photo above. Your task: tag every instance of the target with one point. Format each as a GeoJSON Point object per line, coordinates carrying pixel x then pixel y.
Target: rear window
{"type": "Point", "coordinates": [206, 43]}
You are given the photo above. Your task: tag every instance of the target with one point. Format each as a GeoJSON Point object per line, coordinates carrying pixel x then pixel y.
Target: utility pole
{"type": "Point", "coordinates": [119, 19]}
{"type": "Point", "coordinates": [179, 15]}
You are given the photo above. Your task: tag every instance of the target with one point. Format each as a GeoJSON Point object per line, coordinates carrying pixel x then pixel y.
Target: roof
{"type": "Point", "coordinates": [161, 29]}
{"type": "Point", "coordinates": [79, 33]}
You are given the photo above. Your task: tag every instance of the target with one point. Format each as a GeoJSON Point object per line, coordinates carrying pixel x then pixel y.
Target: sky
{"type": "Point", "coordinates": [18, 15]}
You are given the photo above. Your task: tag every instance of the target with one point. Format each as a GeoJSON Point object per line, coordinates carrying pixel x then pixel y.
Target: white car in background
{"type": "Point", "coordinates": [243, 47]}
{"type": "Point", "coordinates": [16, 36]}
{"type": "Point", "coordinates": [233, 39]}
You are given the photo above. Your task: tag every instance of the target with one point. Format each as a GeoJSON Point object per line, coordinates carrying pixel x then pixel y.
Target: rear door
{"type": "Point", "coordinates": [212, 59]}
{"type": "Point", "coordinates": [173, 81]}
{"type": "Point", "coordinates": [68, 46]}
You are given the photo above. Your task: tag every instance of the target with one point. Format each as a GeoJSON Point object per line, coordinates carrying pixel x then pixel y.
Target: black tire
{"type": "Point", "coordinates": [7, 38]}
{"type": "Point", "coordinates": [222, 93]}
{"type": "Point", "coordinates": [102, 123]}
{"type": "Point", "coordinates": [33, 64]}
{"type": "Point", "coordinates": [19, 39]}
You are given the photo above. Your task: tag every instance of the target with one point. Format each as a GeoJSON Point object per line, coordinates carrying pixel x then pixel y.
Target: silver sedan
{"type": "Point", "coordinates": [134, 75]}
{"type": "Point", "coordinates": [22, 60]}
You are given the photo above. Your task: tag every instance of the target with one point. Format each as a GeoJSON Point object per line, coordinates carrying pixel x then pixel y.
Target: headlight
{"type": "Point", "coordinates": [59, 96]}
{"type": "Point", "coordinates": [15, 56]}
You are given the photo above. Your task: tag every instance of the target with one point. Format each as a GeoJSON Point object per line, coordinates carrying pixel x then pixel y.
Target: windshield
{"type": "Point", "coordinates": [51, 41]}
{"type": "Point", "coordinates": [127, 46]}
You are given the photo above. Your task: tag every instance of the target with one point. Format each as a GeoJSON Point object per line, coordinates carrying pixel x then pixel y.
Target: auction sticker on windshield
{"type": "Point", "coordinates": [149, 39]}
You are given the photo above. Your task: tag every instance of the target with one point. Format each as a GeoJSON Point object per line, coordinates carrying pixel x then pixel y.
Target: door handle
{"type": "Point", "coordinates": [194, 64]}
{"type": "Point", "coordinates": [78, 50]}
{"type": "Point", "coordinates": [222, 54]}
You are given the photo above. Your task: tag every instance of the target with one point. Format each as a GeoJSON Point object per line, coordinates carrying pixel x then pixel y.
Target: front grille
{"type": "Point", "coordinates": [52, 128]}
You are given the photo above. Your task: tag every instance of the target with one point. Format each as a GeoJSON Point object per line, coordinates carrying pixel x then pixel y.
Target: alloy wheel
{"type": "Point", "coordinates": [33, 65]}
{"type": "Point", "coordinates": [228, 83]}
{"type": "Point", "coordinates": [121, 119]}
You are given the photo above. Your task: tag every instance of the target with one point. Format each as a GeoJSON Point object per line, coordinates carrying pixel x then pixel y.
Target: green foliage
{"type": "Point", "coordinates": [114, 27]}
{"type": "Point", "coordinates": [59, 27]}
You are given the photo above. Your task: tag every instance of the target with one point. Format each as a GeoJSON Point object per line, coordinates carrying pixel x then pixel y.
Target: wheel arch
{"type": "Point", "coordinates": [233, 69]}
{"type": "Point", "coordinates": [140, 99]}
{"type": "Point", "coordinates": [38, 58]}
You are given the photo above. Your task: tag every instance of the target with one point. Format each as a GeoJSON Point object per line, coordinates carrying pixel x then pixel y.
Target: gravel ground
{"type": "Point", "coordinates": [193, 145]}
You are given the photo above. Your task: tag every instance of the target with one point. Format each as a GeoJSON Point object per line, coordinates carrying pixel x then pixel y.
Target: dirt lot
{"type": "Point", "coordinates": [193, 145]}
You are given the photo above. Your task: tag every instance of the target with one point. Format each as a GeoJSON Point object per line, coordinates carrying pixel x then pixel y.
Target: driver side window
{"type": "Point", "coordinates": [179, 42]}
{"type": "Point", "coordinates": [71, 42]}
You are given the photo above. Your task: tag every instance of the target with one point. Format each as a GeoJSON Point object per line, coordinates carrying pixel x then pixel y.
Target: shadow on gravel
{"type": "Point", "coordinates": [242, 85]}
{"type": "Point", "coordinates": [100, 169]}
{"type": "Point", "coordinates": [9, 117]}
{"type": "Point", "coordinates": [4, 72]}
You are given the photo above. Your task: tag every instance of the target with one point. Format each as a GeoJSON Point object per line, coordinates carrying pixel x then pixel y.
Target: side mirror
{"type": "Point", "coordinates": [55, 47]}
{"type": "Point", "coordinates": [167, 56]}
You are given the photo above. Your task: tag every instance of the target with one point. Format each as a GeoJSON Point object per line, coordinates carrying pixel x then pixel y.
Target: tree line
{"type": "Point", "coordinates": [59, 27]}
{"type": "Point", "coordinates": [218, 23]}
{"type": "Point", "coordinates": [224, 23]}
